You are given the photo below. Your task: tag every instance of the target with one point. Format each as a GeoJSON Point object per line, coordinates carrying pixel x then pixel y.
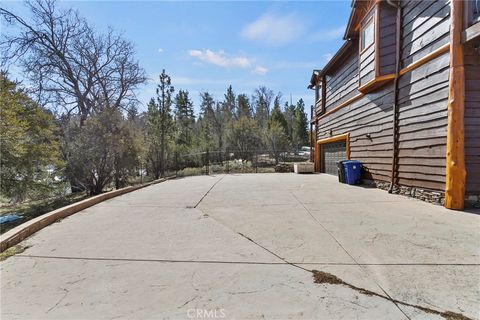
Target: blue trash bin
{"type": "Point", "coordinates": [353, 171]}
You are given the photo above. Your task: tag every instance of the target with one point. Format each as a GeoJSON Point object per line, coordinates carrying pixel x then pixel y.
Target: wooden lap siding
{"type": "Point", "coordinates": [425, 28]}
{"type": "Point", "coordinates": [370, 114]}
{"type": "Point", "coordinates": [387, 39]}
{"type": "Point", "coordinates": [367, 65]}
{"type": "Point", "coordinates": [472, 119]}
{"type": "Point", "coordinates": [342, 84]}
{"type": "Point", "coordinates": [423, 99]}
{"type": "Point", "coordinates": [423, 120]}
{"type": "Point", "coordinates": [423, 95]}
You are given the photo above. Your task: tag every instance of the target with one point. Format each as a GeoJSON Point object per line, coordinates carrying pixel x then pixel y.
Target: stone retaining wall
{"type": "Point", "coordinates": [432, 196]}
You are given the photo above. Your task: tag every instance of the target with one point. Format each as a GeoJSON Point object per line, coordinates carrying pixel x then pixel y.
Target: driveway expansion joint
{"type": "Point", "coordinates": [208, 191]}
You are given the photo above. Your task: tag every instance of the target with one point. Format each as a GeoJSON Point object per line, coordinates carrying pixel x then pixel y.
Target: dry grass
{"type": "Point", "coordinates": [12, 251]}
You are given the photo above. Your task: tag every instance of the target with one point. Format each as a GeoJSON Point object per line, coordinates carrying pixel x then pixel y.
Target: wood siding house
{"type": "Point", "coordinates": [402, 95]}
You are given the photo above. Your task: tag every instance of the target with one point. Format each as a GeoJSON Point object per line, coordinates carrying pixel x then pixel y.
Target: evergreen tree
{"type": "Point", "coordinates": [213, 117]}
{"type": "Point", "coordinates": [244, 109]}
{"type": "Point", "coordinates": [301, 125]}
{"type": "Point", "coordinates": [160, 126]}
{"type": "Point", "coordinates": [290, 118]}
{"type": "Point", "coordinates": [278, 116]}
{"type": "Point", "coordinates": [230, 104]}
{"type": "Point", "coordinates": [276, 137]}
{"type": "Point", "coordinates": [29, 144]}
{"type": "Point", "coordinates": [184, 117]}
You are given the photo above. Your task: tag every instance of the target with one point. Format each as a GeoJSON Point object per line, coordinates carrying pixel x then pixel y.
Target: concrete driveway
{"type": "Point", "coordinates": [244, 247]}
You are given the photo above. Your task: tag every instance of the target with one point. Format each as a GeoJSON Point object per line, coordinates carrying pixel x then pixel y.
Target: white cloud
{"type": "Point", "coordinates": [328, 35]}
{"type": "Point", "coordinates": [260, 70]}
{"type": "Point", "coordinates": [160, 50]}
{"type": "Point", "coordinates": [274, 29]}
{"type": "Point", "coordinates": [327, 57]}
{"type": "Point", "coordinates": [220, 58]}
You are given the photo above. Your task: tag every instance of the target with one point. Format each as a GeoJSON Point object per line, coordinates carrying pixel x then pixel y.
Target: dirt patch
{"type": "Point", "coordinates": [449, 315]}
{"type": "Point", "coordinates": [324, 277]}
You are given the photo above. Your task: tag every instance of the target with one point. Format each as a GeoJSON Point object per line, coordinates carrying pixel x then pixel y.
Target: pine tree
{"type": "Point", "coordinates": [290, 118]}
{"type": "Point", "coordinates": [301, 125]}
{"type": "Point", "coordinates": [230, 104]}
{"type": "Point", "coordinates": [278, 116]}
{"type": "Point", "coordinates": [160, 125]}
{"type": "Point", "coordinates": [212, 114]}
{"type": "Point", "coordinates": [263, 99]}
{"type": "Point", "coordinates": [184, 117]}
{"type": "Point", "coordinates": [244, 109]}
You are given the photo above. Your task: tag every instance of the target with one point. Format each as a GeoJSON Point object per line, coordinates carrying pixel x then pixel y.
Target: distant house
{"type": "Point", "coordinates": [383, 99]}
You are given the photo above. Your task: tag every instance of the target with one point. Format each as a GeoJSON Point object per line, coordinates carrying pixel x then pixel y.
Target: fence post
{"type": "Point", "coordinates": [207, 165]}
{"type": "Point", "coordinates": [176, 163]}
{"type": "Point", "coordinates": [228, 160]}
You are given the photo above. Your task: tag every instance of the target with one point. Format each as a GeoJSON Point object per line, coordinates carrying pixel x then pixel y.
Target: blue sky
{"type": "Point", "coordinates": [210, 45]}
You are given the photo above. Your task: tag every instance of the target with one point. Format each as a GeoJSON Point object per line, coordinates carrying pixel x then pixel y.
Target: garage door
{"type": "Point", "coordinates": [331, 154]}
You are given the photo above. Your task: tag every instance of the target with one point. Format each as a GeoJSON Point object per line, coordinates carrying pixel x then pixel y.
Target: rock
{"type": "Point", "coordinates": [284, 167]}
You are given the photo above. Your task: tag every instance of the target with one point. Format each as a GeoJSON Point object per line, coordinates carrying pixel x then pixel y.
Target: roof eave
{"type": "Point", "coordinates": [313, 78]}
{"type": "Point", "coordinates": [353, 5]}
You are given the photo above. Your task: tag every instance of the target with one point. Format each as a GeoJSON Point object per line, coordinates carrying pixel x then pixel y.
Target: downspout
{"type": "Point", "coordinates": [311, 134]}
{"type": "Point", "coordinates": [395, 110]}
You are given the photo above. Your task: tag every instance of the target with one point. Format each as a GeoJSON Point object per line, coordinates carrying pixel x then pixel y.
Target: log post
{"type": "Point", "coordinates": [455, 162]}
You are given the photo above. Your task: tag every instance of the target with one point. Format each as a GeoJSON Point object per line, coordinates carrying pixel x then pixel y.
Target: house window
{"type": "Point", "coordinates": [473, 12]}
{"type": "Point", "coordinates": [367, 35]}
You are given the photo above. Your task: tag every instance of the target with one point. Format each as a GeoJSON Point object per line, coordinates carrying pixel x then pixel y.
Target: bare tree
{"type": "Point", "coordinates": [68, 63]}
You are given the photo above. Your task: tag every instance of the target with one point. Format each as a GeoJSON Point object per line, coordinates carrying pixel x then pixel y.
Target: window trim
{"type": "Point", "coordinates": [368, 22]}
{"type": "Point", "coordinates": [372, 20]}
{"type": "Point", "coordinates": [321, 87]}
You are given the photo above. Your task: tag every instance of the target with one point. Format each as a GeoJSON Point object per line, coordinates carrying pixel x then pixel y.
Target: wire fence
{"type": "Point", "coordinates": [236, 161]}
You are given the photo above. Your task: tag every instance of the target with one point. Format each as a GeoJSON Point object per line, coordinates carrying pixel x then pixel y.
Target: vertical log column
{"type": "Point", "coordinates": [455, 165]}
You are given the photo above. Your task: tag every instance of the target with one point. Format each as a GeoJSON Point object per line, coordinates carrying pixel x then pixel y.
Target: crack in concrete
{"type": "Point", "coordinates": [76, 281]}
{"type": "Point", "coordinates": [59, 300]}
{"type": "Point", "coordinates": [187, 302]}
{"type": "Point", "coordinates": [244, 292]}
{"type": "Point", "coordinates": [323, 277]}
